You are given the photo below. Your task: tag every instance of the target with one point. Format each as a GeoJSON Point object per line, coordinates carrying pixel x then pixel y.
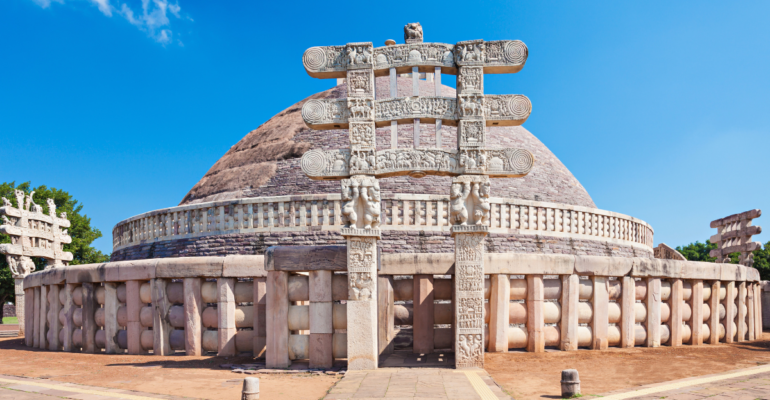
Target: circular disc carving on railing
{"type": "Point", "coordinates": [521, 160]}
{"type": "Point", "coordinates": [520, 106]}
{"type": "Point", "coordinates": [516, 52]}
{"type": "Point", "coordinates": [314, 58]}
{"type": "Point", "coordinates": [313, 162]}
{"type": "Point", "coordinates": [313, 111]}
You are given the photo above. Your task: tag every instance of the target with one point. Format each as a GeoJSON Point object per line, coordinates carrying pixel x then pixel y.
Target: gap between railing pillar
{"type": "Point", "coordinates": [111, 318]}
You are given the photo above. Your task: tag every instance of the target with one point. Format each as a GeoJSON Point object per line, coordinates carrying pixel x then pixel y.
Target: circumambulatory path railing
{"type": "Point", "coordinates": [400, 212]}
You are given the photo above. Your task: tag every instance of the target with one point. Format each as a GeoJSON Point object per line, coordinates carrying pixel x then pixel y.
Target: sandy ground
{"type": "Point", "coordinates": [536, 376]}
{"type": "Point", "coordinates": [195, 377]}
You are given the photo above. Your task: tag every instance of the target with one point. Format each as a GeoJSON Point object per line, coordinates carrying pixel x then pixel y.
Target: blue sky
{"type": "Point", "coordinates": [661, 109]}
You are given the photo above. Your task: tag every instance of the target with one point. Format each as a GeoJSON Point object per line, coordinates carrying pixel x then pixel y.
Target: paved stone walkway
{"type": "Point", "coordinates": [417, 383]}
{"type": "Point", "coordinates": [13, 387]}
{"type": "Point", "coordinates": [745, 384]}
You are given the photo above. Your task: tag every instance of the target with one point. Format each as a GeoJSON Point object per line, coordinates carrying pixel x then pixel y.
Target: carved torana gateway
{"type": "Point", "coordinates": [33, 234]}
{"type": "Point", "coordinates": [471, 164]}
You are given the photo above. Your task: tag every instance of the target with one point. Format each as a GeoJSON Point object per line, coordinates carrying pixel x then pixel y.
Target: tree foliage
{"type": "Point", "coordinates": [80, 230]}
{"type": "Point", "coordinates": [700, 252]}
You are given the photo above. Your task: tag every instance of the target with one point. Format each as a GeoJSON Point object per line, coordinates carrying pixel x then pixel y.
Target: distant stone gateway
{"type": "Point", "coordinates": [393, 212]}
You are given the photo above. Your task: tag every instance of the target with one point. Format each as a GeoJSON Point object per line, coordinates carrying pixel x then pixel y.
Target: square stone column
{"type": "Point", "coordinates": [69, 311]}
{"type": "Point", "coordinates": [260, 317]}
{"type": "Point", "coordinates": [600, 317]}
{"type": "Point", "coordinates": [43, 316]}
{"type": "Point", "coordinates": [696, 318]}
{"type": "Point", "coordinates": [161, 328]}
{"type": "Point", "coordinates": [133, 309]}
{"type": "Point", "coordinates": [676, 302]}
{"type": "Point", "coordinates": [627, 314]}
{"type": "Point", "coordinates": [362, 300]}
{"type": "Point", "coordinates": [386, 312]}
{"type": "Point", "coordinates": [54, 324]}
{"type": "Point", "coordinates": [741, 312]}
{"type": "Point", "coordinates": [29, 316]}
{"type": "Point", "coordinates": [277, 320]}
{"type": "Point", "coordinates": [469, 295]}
{"type": "Point", "coordinates": [89, 327]}
{"type": "Point", "coordinates": [714, 318]}
{"type": "Point", "coordinates": [321, 330]}
{"type": "Point", "coordinates": [652, 302]}
{"type": "Point", "coordinates": [750, 310]}
{"type": "Point", "coordinates": [193, 311]}
{"type": "Point", "coordinates": [226, 317]}
{"type": "Point", "coordinates": [422, 327]}
{"type": "Point", "coordinates": [499, 312]}
{"type": "Point", "coordinates": [111, 305]}
{"type": "Point", "coordinates": [730, 312]}
{"type": "Point", "coordinates": [535, 317]}
{"type": "Point", "coordinates": [570, 297]}
{"type": "Point", "coordinates": [18, 291]}
{"type": "Point", "coordinates": [36, 319]}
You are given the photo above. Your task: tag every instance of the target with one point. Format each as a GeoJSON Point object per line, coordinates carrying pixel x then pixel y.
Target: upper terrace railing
{"type": "Point", "coordinates": [400, 212]}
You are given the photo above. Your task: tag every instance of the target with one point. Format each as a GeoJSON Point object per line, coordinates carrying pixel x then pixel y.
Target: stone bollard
{"type": "Point", "coordinates": [250, 389]}
{"type": "Point", "coordinates": [570, 383]}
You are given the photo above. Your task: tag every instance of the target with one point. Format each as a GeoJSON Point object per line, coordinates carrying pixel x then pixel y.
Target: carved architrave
{"type": "Point", "coordinates": [359, 55]}
{"type": "Point", "coordinates": [470, 53]}
{"type": "Point", "coordinates": [470, 80]}
{"type": "Point", "coordinates": [360, 83]}
{"type": "Point", "coordinates": [501, 56]}
{"type": "Point", "coordinates": [362, 267]}
{"type": "Point", "coordinates": [471, 134]}
{"type": "Point", "coordinates": [339, 164]}
{"type": "Point", "coordinates": [495, 110]}
{"type": "Point", "coordinates": [362, 135]}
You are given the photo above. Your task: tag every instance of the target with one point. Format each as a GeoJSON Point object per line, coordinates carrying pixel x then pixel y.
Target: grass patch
{"type": "Point", "coordinates": [11, 320]}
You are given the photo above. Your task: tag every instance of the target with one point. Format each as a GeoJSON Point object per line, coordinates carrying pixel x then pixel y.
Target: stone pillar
{"type": "Point", "coordinates": [499, 306]}
{"type": "Point", "coordinates": [193, 310]}
{"type": "Point", "coordinates": [260, 317]}
{"type": "Point", "coordinates": [750, 310]}
{"type": "Point", "coordinates": [469, 295]}
{"type": "Point", "coordinates": [43, 316]}
{"type": "Point", "coordinates": [133, 309]}
{"type": "Point", "coordinates": [696, 316]}
{"type": "Point", "coordinates": [111, 305]}
{"type": "Point", "coordinates": [422, 327]}
{"type": "Point", "coordinates": [161, 328]}
{"type": "Point", "coordinates": [226, 313]}
{"type": "Point", "coordinates": [321, 330]}
{"type": "Point", "coordinates": [535, 317]}
{"type": "Point", "coordinates": [652, 302]}
{"type": "Point", "coordinates": [89, 324]}
{"type": "Point", "coordinates": [600, 316]}
{"type": "Point", "coordinates": [714, 318]}
{"type": "Point", "coordinates": [277, 320]}
{"type": "Point", "coordinates": [54, 324]}
{"type": "Point", "coordinates": [729, 312]}
{"type": "Point", "coordinates": [362, 302]}
{"type": "Point", "coordinates": [18, 291]}
{"type": "Point", "coordinates": [676, 303]}
{"type": "Point", "coordinates": [69, 310]}
{"type": "Point", "coordinates": [29, 317]}
{"type": "Point", "coordinates": [741, 312]}
{"type": "Point", "coordinates": [627, 314]}
{"type": "Point", "coordinates": [386, 312]}
{"type": "Point", "coordinates": [758, 311]}
{"type": "Point", "coordinates": [570, 297]}
{"type": "Point", "coordinates": [36, 319]}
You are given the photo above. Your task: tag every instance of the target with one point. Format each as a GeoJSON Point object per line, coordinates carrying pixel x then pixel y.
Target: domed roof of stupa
{"type": "Point", "coordinates": [266, 161]}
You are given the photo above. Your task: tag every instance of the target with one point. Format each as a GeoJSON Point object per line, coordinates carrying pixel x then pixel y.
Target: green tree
{"type": "Point", "coordinates": [80, 230]}
{"type": "Point", "coordinates": [700, 252]}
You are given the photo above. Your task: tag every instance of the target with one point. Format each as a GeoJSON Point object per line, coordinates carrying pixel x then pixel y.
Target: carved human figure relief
{"type": "Point", "coordinates": [350, 196]}
{"type": "Point", "coordinates": [482, 207]}
{"type": "Point", "coordinates": [361, 285]}
{"type": "Point", "coordinates": [362, 134]}
{"type": "Point", "coordinates": [458, 194]}
{"type": "Point", "coordinates": [371, 198]}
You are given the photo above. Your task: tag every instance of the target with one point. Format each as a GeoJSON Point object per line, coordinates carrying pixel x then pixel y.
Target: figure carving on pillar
{"type": "Point", "coordinates": [371, 197]}
{"type": "Point", "coordinates": [481, 195]}
{"type": "Point", "coordinates": [349, 208]}
{"type": "Point", "coordinates": [459, 193]}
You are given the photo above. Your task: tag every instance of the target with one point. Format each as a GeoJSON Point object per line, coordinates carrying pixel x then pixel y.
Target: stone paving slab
{"type": "Point", "coordinates": [417, 383]}
{"type": "Point", "coordinates": [14, 387]}
{"type": "Point", "coordinates": [748, 384]}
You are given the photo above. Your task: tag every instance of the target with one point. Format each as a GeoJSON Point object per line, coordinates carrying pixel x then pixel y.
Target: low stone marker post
{"type": "Point", "coordinates": [570, 383]}
{"type": "Point", "coordinates": [250, 389]}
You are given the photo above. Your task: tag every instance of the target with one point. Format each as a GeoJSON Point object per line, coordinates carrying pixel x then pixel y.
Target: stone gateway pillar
{"type": "Point", "coordinates": [471, 165]}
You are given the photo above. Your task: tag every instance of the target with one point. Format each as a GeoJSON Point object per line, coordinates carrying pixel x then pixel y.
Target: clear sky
{"type": "Point", "coordinates": [661, 109]}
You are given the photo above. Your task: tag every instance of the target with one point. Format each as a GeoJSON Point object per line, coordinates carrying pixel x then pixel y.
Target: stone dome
{"type": "Point", "coordinates": [266, 161]}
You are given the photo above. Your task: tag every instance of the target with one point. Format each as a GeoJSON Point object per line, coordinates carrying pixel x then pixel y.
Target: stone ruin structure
{"type": "Point", "coordinates": [33, 234]}
{"type": "Point", "coordinates": [390, 213]}
{"type": "Point", "coordinates": [734, 235]}
{"type": "Point", "coordinates": [667, 252]}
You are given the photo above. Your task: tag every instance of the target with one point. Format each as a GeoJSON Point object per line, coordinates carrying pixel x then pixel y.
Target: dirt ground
{"type": "Point", "coordinates": [535, 376]}
{"type": "Point", "coordinates": [196, 377]}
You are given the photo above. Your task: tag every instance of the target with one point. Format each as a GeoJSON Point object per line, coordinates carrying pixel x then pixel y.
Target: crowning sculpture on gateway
{"type": "Point", "coordinates": [471, 164]}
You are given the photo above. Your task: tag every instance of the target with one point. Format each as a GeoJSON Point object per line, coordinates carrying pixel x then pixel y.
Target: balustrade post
{"type": "Point", "coordinates": [696, 319]}
{"type": "Point", "coordinates": [29, 316]}
{"type": "Point", "coordinates": [714, 318]}
{"type": "Point", "coordinates": [653, 302]}
{"type": "Point", "coordinates": [321, 330]}
{"type": "Point", "coordinates": [385, 314]}
{"type": "Point", "coordinates": [260, 317]}
{"type": "Point", "coordinates": [730, 312]}
{"type": "Point", "coordinates": [36, 319]}
{"type": "Point", "coordinates": [499, 315]}
{"type": "Point", "coordinates": [89, 327]}
{"type": "Point", "coordinates": [133, 309]}
{"type": "Point", "coordinates": [69, 310]}
{"type": "Point", "coordinates": [277, 352]}
{"type": "Point", "coordinates": [570, 297]}
{"type": "Point", "coordinates": [600, 315]}
{"type": "Point", "coordinates": [55, 324]}
{"type": "Point", "coordinates": [111, 318]}
{"type": "Point", "coordinates": [535, 318]}
{"type": "Point", "coordinates": [742, 312]}
{"type": "Point", "coordinates": [161, 328]}
{"type": "Point", "coordinates": [750, 310]}
{"type": "Point", "coordinates": [43, 332]}
{"type": "Point", "coordinates": [627, 313]}
{"type": "Point", "coordinates": [422, 327]}
{"type": "Point", "coordinates": [226, 314]}
{"type": "Point", "coordinates": [676, 303]}
{"type": "Point", "coordinates": [193, 310]}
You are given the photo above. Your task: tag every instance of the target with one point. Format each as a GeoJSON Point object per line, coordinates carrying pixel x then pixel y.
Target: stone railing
{"type": "Point", "coordinates": [402, 212]}
{"type": "Point", "coordinates": [290, 304]}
